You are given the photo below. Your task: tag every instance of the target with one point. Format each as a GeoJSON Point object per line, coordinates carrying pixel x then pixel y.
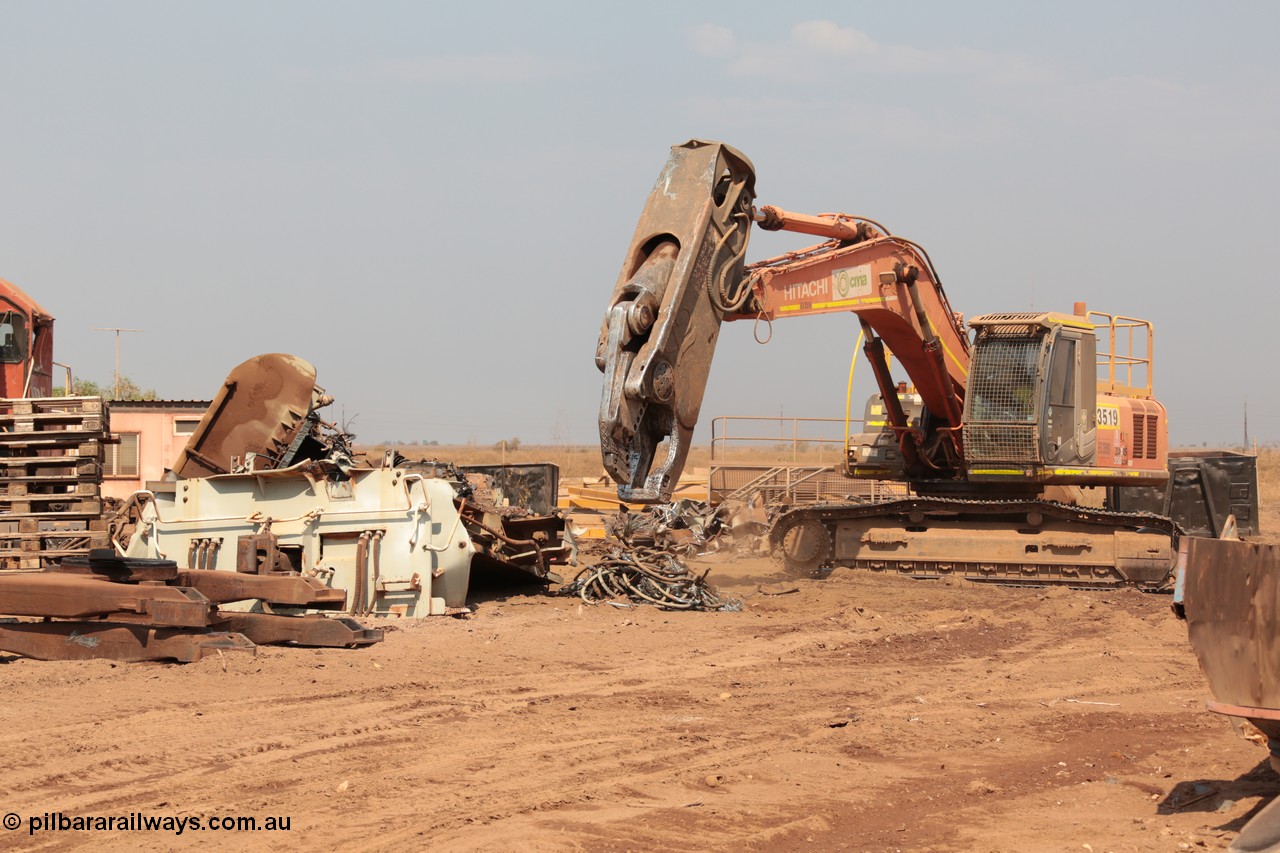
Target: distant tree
{"type": "Point", "coordinates": [512, 443]}
{"type": "Point", "coordinates": [80, 388]}
{"type": "Point", "coordinates": [129, 390]}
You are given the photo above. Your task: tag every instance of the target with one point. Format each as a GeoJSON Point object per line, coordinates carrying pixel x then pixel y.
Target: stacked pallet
{"type": "Point", "coordinates": [51, 452]}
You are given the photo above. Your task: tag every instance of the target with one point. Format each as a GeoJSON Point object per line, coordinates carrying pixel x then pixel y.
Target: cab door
{"type": "Point", "coordinates": [1058, 439]}
{"type": "Point", "coordinates": [1070, 432]}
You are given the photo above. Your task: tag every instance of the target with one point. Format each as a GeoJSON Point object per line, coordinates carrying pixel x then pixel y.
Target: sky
{"type": "Point", "coordinates": [431, 201]}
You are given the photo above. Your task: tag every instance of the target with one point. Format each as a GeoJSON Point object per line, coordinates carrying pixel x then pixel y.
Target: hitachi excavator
{"type": "Point", "coordinates": [1014, 418]}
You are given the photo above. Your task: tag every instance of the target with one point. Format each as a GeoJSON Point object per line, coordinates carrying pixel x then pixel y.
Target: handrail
{"type": "Point", "coordinates": [720, 433]}
{"type": "Point", "coordinates": [1123, 349]}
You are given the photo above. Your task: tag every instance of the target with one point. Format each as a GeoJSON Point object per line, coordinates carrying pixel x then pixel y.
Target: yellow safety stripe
{"type": "Point", "coordinates": [862, 300]}
{"type": "Point", "coordinates": [1063, 472]}
{"type": "Point", "coordinates": [947, 349]}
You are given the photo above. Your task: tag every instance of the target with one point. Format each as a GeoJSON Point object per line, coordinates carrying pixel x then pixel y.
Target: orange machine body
{"type": "Point", "coordinates": [26, 345]}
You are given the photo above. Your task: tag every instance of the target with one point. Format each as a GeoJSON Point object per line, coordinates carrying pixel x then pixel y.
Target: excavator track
{"type": "Point", "coordinates": [1008, 542]}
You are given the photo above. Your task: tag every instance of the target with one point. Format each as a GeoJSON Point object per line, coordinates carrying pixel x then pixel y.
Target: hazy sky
{"type": "Point", "coordinates": [431, 201]}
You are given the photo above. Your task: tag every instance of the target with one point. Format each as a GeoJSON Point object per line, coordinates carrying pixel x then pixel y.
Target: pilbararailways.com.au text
{"type": "Point", "coordinates": [140, 822]}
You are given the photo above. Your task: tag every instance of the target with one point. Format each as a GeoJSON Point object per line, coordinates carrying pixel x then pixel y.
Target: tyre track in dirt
{"type": "Point", "coordinates": [844, 712]}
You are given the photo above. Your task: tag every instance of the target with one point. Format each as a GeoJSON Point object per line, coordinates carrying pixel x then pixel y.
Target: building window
{"type": "Point", "coordinates": [121, 460]}
{"type": "Point", "coordinates": [185, 426]}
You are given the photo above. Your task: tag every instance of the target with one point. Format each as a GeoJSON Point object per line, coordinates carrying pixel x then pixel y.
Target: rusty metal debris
{"type": "Point", "coordinates": [1229, 593]}
{"type": "Point", "coordinates": [509, 510]}
{"type": "Point", "coordinates": [106, 641]}
{"type": "Point", "coordinates": [684, 527]}
{"type": "Point", "coordinates": [264, 416]}
{"type": "Point", "coordinates": [75, 596]}
{"type": "Point", "coordinates": [308, 630]}
{"type": "Point", "coordinates": [151, 610]}
{"type": "Point", "coordinates": [276, 588]}
{"type": "Point", "coordinates": [647, 576]}
{"type": "Point", "coordinates": [688, 527]}
{"type": "Point", "coordinates": [265, 487]}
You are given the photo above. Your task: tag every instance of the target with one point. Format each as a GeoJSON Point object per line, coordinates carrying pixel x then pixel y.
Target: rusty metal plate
{"type": "Point", "coordinates": [104, 641]}
{"type": "Point", "coordinates": [259, 409]}
{"type": "Point", "coordinates": [1231, 598]}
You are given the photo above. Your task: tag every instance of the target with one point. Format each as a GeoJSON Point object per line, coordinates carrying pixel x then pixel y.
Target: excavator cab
{"type": "Point", "coordinates": [1032, 409]}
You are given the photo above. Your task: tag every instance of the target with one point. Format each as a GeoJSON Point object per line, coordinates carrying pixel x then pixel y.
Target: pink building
{"type": "Point", "coordinates": [151, 433]}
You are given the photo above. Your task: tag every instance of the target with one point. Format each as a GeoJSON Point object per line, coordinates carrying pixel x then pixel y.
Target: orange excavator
{"type": "Point", "coordinates": [1014, 417]}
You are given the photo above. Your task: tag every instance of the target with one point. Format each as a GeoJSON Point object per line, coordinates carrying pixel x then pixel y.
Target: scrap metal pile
{"type": "Point", "coordinates": [647, 576]}
{"type": "Point", "coordinates": [268, 525]}
{"type": "Point", "coordinates": [641, 561]}
{"type": "Point", "coordinates": [689, 527]}
{"type": "Point", "coordinates": [105, 606]}
{"type": "Point", "coordinates": [510, 513]}
{"type": "Point", "coordinates": [401, 538]}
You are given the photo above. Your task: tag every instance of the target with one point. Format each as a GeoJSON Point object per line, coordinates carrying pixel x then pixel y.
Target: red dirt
{"type": "Point", "coordinates": [858, 712]}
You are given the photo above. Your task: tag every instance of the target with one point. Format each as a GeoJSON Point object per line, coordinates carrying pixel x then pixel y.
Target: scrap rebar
{"type": "Point", "coordinates": [647, 576]}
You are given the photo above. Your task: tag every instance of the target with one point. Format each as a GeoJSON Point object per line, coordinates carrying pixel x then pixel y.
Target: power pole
{"type": "Point", "coordinates": [117, 330]}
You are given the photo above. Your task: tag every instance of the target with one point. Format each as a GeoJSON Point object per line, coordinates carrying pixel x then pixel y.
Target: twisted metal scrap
{"type": "Point", "coordinates": [647, 576]}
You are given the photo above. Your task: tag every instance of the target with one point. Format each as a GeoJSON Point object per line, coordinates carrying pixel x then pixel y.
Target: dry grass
{"type": "Point", "coordinates": [1268, 475]}
{"type": "Point", "coordinates": [584, 460]}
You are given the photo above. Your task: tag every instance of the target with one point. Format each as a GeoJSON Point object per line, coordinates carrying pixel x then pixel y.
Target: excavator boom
{"type": "Point", "coordinates": [684, 274]}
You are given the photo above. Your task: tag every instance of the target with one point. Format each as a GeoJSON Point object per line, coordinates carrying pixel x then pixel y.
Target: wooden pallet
{"type": "Point", "coordinates": [49, 525]}
{"type": "Point", "coordinates": [54, 405]}
{"type": "Point", "coordinates": [25, 445]}
{"type": "Point", "coordinates": [54, 422]}
{"type": "Point", "coordinates": [51, 487]}
{"type": "Point", "coordinates": [37, 550]}
{"type": "Point", "coordinates": [51, 505]}
{"type": "Point", "coordinates": [36, 467]}
{"type": "Point", "coordinates": [47, 541]}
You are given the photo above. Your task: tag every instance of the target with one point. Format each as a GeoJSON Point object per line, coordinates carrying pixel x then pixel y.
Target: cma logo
{"type": "Point", "coordinates": [854, 281]}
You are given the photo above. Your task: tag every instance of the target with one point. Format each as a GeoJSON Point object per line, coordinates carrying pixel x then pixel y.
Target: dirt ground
{"type": "Point", "coordinates": [859, 712]}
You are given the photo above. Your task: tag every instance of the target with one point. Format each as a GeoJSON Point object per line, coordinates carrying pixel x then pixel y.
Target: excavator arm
{"type": "Point", "coordinates": [684, 274]}
{"type": "Point", "coordinates": [660, 331]}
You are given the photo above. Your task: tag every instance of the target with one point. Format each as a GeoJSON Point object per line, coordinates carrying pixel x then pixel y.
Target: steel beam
{"type": "Point", "coordinates": [285, 589]}
{"type": "Point", "coordinates": [73, 596]}
{"type": "Point", "coordinates": [312, 630]}
{"type": "Point", "coordinates": [105, 641]}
